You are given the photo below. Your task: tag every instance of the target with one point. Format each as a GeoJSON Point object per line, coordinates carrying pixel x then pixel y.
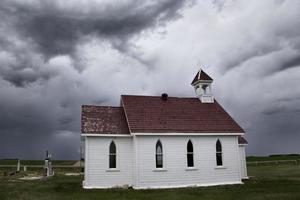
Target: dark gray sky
{"type": "Point", "coordinates": [57, 55]}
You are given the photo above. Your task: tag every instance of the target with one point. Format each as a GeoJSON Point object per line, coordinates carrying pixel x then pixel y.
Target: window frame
{"type": "Point", "coordinates": [188, 153]}
{"type": "Point", "coordinates": [112, 155]}
{"type": "Point", "coordinates": [159, 144]}
{"type": "Point", "coordinates": [219, 153]}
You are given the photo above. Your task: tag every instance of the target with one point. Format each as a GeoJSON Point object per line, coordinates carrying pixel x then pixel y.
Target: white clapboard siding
{"type": "Point", "coordinates": [243, 165]}
{"type": "Point", "coordinates": [136, 162]}
{"type": "Point", "coordinates": [175, 173]}
{"type": "Point", "coordinates": [97, 172]}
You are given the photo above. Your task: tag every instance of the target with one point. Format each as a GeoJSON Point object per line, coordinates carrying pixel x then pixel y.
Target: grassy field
{"type": "Point", "coordinates": [71, 162]}
{"type": "Point", "coordinates": [272, 158]}
{"type": "Point", "coordinates": [269, 182]}
{"type": "Point", "coordinates": [35, 162]}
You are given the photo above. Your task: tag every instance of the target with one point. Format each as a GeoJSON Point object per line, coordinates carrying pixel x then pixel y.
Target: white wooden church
{"type": "Point", "coordinates": [163, 142]}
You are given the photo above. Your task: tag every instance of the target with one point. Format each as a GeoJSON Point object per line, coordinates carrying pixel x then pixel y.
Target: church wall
{"type": "Point", "coordinates": [243, 165]}
{"type": "Point", "coordinates": [175, 172]}
{"type": "Point", "coordinates": [97, 172]}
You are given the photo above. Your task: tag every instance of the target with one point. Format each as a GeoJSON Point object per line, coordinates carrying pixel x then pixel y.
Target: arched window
{"type": "Point", "coordinates": [204, 87]}
{"type": "Point", "coordinates": [112, 155]}
{"type": "Point", "coordinates": [190, 154]}
{"type": "Point", "coordinates": [219, 158]}
{"type": "Point", "coordinates": [159, 155]}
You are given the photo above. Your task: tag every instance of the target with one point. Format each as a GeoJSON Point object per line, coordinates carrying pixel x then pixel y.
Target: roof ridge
{"type": "Point", "coordinates": [85, 105]}
{"type": "Point", "coordinates": [158, 96]}
{"type": "Point", "coordinates": [125, 113]}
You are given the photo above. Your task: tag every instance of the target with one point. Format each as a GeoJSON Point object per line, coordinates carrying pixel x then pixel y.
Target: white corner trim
{"type": "Point", "coordinates": [105, 135]}
{"type": "Point", "coordinates": [184, 134]}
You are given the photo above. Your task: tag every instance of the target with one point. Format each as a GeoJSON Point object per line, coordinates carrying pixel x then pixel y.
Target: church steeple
{"type": "Point", "coordinates": [202, 85]}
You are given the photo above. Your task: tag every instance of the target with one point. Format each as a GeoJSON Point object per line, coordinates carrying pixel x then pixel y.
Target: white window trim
{"type": "Point", "coordinates": [117, 157]}
{"type": "Point", "coordinates": [159, 170]}
{"type": "Point", "coordinates": [191, 169]}
{"type": "Point", "coordinates": [190, 153]}
{"type": "Point", "coordinates": [113, 170]}
{"type": "Point", "coordinates": [219, 166]}
{"type": "Point", "coordinates": [163, 168]}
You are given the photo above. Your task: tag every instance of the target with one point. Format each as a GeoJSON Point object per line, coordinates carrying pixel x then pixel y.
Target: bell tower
{"type": "Point", "coordinates": [202, 85]}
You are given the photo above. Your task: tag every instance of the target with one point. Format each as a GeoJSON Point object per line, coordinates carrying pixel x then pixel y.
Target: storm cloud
{"type": "Point", "coordinates": [56, 27]}
{"type": "Point", "coordinates": [57, 55]}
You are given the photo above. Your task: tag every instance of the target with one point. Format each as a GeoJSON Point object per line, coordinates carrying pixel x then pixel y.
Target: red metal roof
{"type": "Point", "coordinates": [242, 140]}
{"type": "Point", "coordinates": [202, 76]}
{"type": "Point", "coordinates": [103, 120]}
{"type": "Point", "coordinates": [180, 115]}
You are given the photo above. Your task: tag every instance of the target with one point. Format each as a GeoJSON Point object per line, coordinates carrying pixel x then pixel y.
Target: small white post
{"type": "Point", "coordinates": [50, 166]}
{"type": "Point", "coordinates": [46, 167]}
{"type": "Point", "coordinates": [18, 166]}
